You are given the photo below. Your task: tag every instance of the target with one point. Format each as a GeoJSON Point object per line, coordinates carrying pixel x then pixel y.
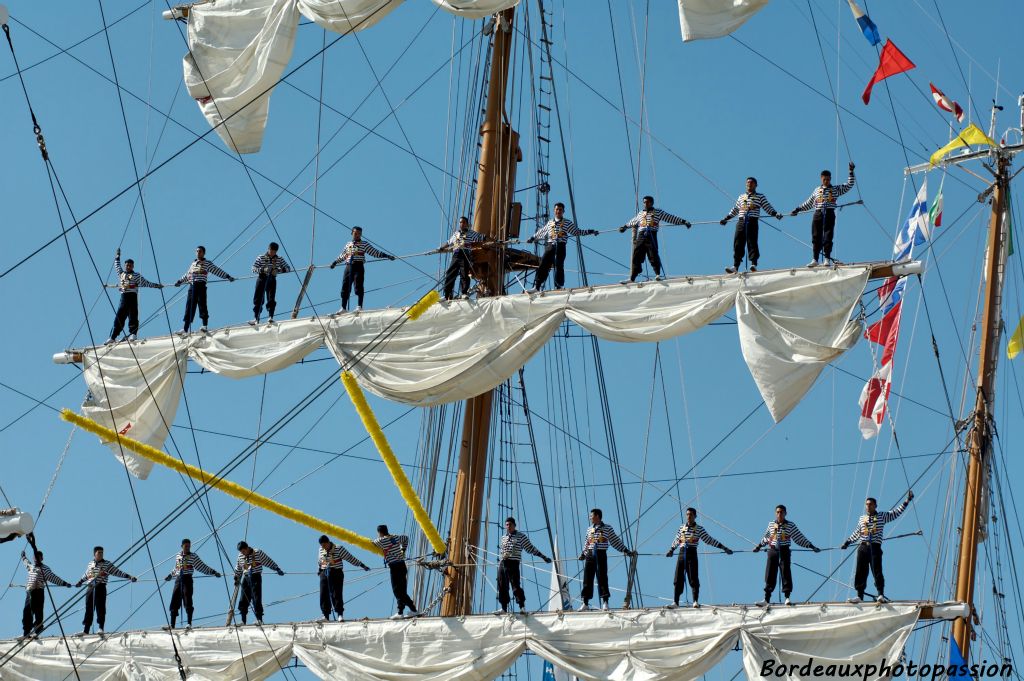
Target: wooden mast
{"type": "Point", "coordinates": [980, 437]}
{"type": "Point", "coordinates": [979, 443]}
{"type": "Point", "coordinates": [494, 191]}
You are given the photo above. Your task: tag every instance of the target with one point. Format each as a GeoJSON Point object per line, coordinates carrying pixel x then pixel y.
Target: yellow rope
{"type": "Point", "coordinates": [423, 304]}
{"type": "Point", "coordinates": [230, 488]}
{"type": "Point", "coordinates": [355, 393]}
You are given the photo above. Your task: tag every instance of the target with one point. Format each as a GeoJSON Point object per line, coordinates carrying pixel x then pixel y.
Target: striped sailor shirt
{"type": "Point", "coordinates": [187, 563]}
{"type": "Point", "coordinates": [199, 270]}
{"type": "Point", "coordinates": [130, 282]}
{"type": "Point", "coordinates": [253, 563]}
{"type": "Point", "coordinates": [334, 557]}
{"type": "Point", "coordinates": [271, 265]}
{"type": "Point", "coordinates": [558, 231]}
{"type": "Point", "coordinates": [870, 528]}
{"type": "Point", "coordinates": [98, 571]}
{"type": "Point", "coordinates": [691, 535]}
{"type": "Point", "coordinates": [648, 221]}
{"type": "Point", "coordinates": [749, 205]}
{"type": "Point", "coordinates": [782, 534]}
{"type": "Point", "coordinates": [824, 198]}
{"type": "Point", "coordinates": [462, 241]}
{"type": "Point", "coordinates": [39, 574]}
{"type": "Point", "coordinates": [393, 546]}
{"type": "Point", "coordinates": [599, 537]}
{"type": "Point", "coordinates": [511, 546]}
{"type": "Point", "coordinates": [356, 251]}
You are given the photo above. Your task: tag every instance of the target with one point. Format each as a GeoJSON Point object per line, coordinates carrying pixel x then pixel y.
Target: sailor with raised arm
{"type": "Point", "coordinates": [556, 233]}
{"type": "Point", "coordinates": [249, 577]}
{"type": "Point", "coordinates": [266, 268]}
{"type": "Point", "coordinates": [510, 551]}
{"type": "Point", "coordinates": [185, 564]}
{"type": "Point", "coordinates": [128, 283]}
{"type": "Point", "coordinates": [394, 547]}
{"type": "Point", "coordinates": [195, 276]}
{"type": "Point", "coordinates": [689, 535]}
{"type": "Point", "coordinates": [778, 537]}
{"type": "Point", "coordinates": [823, 223]}
{"type": "Point", "coordinates": [747, 211]}
{"type": "Point", "coordinates": [97, 572]}
{"type": "Point", "coordinates": [354, 258]}
{"type": "Point", "coordinates": [330, 563]}
{"type": "Point", "coordinates": [461, 246]}
{"type": "Point", "coordinates": [869, 533]}
{"type": "Point", "coordinates": [595, 554]}
{"type": "Point", "coordinates": [645, 237]}
{"type": "Point", "coordinates": [35, 592]}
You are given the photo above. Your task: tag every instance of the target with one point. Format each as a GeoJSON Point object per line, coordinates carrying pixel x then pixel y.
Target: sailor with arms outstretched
{"type": "Point", "coordinates": [778, 537]}
{"type": "Point", "coordinates": [689, 535]}
{"type": "Point", "coordinates": [645, 226]}
{"type": "Point", "coordinates": [595, 554]}
{"type": "Point", "coordinates": [869, 535]}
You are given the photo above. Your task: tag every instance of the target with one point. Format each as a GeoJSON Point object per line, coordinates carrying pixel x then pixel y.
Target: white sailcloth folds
{"type": "Point", "coordinates": [791, 324]}
{"type": "Point", "coordinates": [700, 19]}
{"type": "Point", "coordinates": [238, 50]}
{"type": "Point", "coordinates": [631, 645]}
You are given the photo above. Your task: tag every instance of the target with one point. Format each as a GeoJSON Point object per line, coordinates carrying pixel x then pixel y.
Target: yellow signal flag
{"type": "Point", "coordinates": [216, 482]}
{"type": "Point", "coordinates": [355, 393]}
{"type": "Point", "coordinates": [972, 134]}
{"type": "Point", "coordinates": [1016, 342]}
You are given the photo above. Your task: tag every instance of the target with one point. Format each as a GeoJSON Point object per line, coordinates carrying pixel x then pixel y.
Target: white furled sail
{"type": "Point", "coordinates": [18, 523]}
{"type": "Point", "coordinates": [701, 19]}
{"type": "Point", "coordinates": [136, 393]}
{"type": "Point", "coordinates": [791, 324]}
{"type": "Point", "coordinates": [626, 645]}
{"type": "Point", "coordinates": [238, 50]}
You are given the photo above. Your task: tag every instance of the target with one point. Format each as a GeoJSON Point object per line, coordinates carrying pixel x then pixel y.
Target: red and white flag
{"type": "Point", "coordinates": [946, 104]}
{"type": "Point", "coordinates": [874, 398]}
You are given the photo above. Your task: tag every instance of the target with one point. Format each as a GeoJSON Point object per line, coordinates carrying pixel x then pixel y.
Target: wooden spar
{"type": "Point", "coordinates": [302, 292]}
{"type": "Point", "coordinates": [495, 185]}
{"type": "Point", "coordinates": [980, 437]}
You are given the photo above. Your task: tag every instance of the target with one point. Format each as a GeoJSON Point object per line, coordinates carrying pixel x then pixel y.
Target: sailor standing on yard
{"type": "Point", "coordinates": [185, 563]}
{"type": "Point", "coordinates": [394, 547]}
{"type": "Point", "coordinates": [869, 531]}
{"type": "Point", "coordinates": [690, 534]}
{"type": "Point", "coordinates": [461, 246]}
{"type": "Point", "coordinates": [645, 237]}
{"type": "Point", "coordinates": [128, 283]}
{"type": "Point", "coordinates": [510, 550]}
{"type": "Point", "coordinates": [823, 224]}
{"type": "Point", "coordinates": [595, 554]}
{"type": "Point", "coordinates": [747, 211]}
{"type": "Point", "coordinates": [354, 257]}
{"type": "Point", "coordinates": [35, 592]}
{"type": "Point", "coordinates": [557, 233]}
{"type": "Point", "coordinates": [778, 537]}
{"type": "Point", "coordinates": [249, 577]}
{"type": "Point", "coordinates": [97, 572]}
{"type": "Point", "coordinates": [195, 277]}
{"type": "Point", "coordinates": [331, 569]}
{"type": "Point", "coordinates": [266, 268]}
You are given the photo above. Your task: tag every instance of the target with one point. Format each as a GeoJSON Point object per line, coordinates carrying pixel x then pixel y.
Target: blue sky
{"type": "Point", "coordinates": [717, 111]}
